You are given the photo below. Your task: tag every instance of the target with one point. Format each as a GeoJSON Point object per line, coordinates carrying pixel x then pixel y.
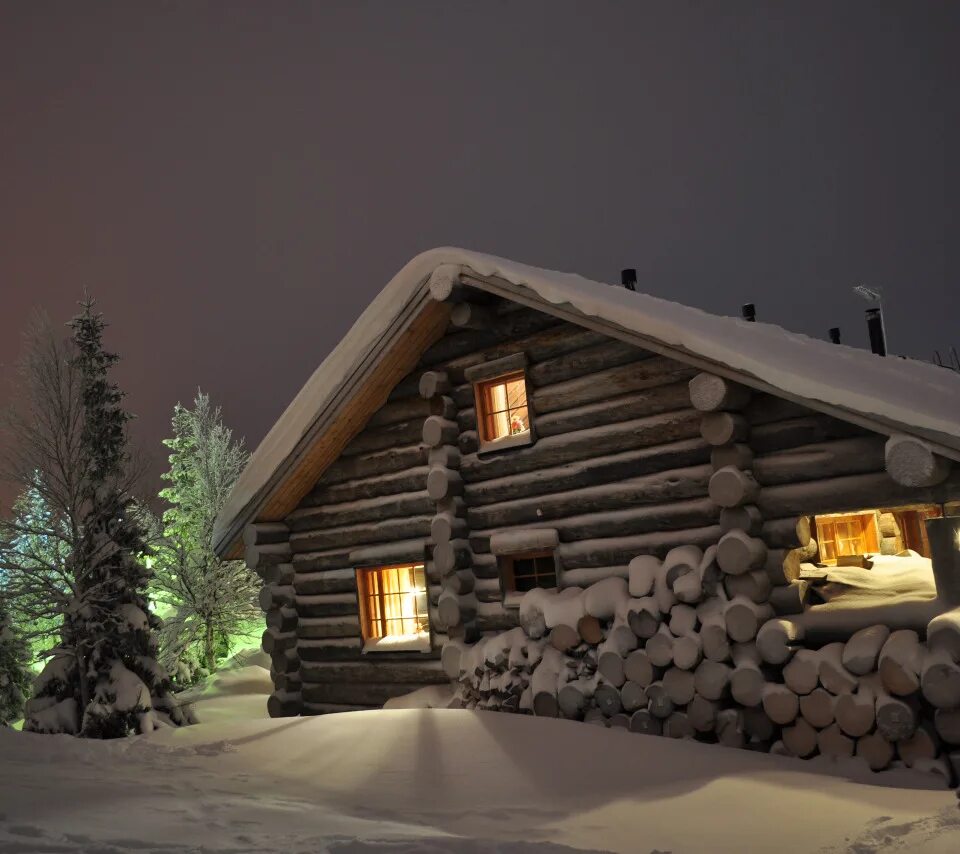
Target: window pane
{"type": "Point", "coordinates": [519, 420]}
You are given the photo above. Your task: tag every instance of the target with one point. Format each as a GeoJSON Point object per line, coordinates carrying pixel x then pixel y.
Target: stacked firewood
{"type": "Point", "coordinates": [669, 652]}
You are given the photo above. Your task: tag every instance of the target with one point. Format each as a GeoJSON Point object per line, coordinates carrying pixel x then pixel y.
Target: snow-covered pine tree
{"type": "Point", "coordinates": [105, 681]}
{"type": "Point", "coordinates": [14, 669]}
{"type": "Point", "coordinates": [211, 600]}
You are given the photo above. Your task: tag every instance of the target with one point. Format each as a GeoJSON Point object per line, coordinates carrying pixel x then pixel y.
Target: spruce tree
{"type": "Point", "coordinates": [105, 681]}
{"type": "Point", "coordinates": [211, 600]}
{"type": "Point", "coordinates": [14, 669]}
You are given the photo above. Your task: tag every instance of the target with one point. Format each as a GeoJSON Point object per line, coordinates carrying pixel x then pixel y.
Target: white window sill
{"type": "Point", "coordinates": [398, 643]}
{"type": "Point", "coordinates": [517, 440]}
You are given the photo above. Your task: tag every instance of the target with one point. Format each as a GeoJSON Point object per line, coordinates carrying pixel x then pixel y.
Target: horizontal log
{"type": "Point", "coordinates": [584, 444]}
{"type": "Point", "coordinates": [283, 704]}
{"type": "Point", "coordinates": [437, 431]}
{"type": "Point", "coordinates": [312, 709]}
{"type": "Point", "coordinates": [327, 605]}
{"type": "Point", "coordinates": [443, 483]}
{"type": "Point", "coordinates": [399, 411]}
{"type": "Point", "coordinates": [593, 471]}
{"type": "Point", "coordinates": [746, 517]}
{"type": "Point", "coordinates": [544, 344]}
{"type": "Point", "coordinates": [388, 461]}
{"type": "Point", "coordinates": [317, 628]}
{"type": "Point", "coordinates": [400, 551]}
{"type": "Point", "coordinates": [621, 550]}
{"type": "Point", "coordinates": [710, 393]}
{"type": "Point", "coordinates": [433, 384]}
{"type": "Point", "coordinates": [375, 693]}
{"type": "Point", "coordinates": [329, 649]}
{"type": "Point", "coordinates": [738, 455]}
{"type": "Point", "coordinates": [329, 581]}
{"type": "Point", "coordinates": [794, 432]}
{"type": "Point", "coordinates": [607, 383]}
{"type": "Point", "coordinates": [272, 641]}
{"type": "Point", "coordinates": [853, 492]}
{"type": "Point", "coordinates": [509, 327]}
{"type": "Point", "coordinates": [766, 408]}
{"type": "Point", "coordinates": [361, 535]}
{"type": "Point", "coordinates": [789, 533]}
{"type": "Point", "coordinates": [482, 371]}
{"type": "Point", "coordinates": [389, 436]}
{"type": "Point", "coordinates": [264, 533]}
{"type": "Point", "coordinates": [282, 619]}
{"type": "Point", "coordinates": [911, 462]}
{"type": "Point", "coordinates": [275, 596]}
{"type": "Point", "coordinates": [723, 428]}
{"type": "Point", "coordinates": [671, 485]}
{"type": "Point", "coordinates": [824, 459]}
{"type": "Point", "coordinates": [409, 480]}
{"type": "Point", "coordinates": [469, 315]}
{"type": "Point", "coordinates": [319, 561]}
{"type": "Point", "coordinates": [590, 360]}
{"type": "Point", "coordinates": [651, 401]}
{"type": "Point", "coordinates": [383, 671]}
{"type": "Point", "coordinates": [731, 487]}
{"type": "Point", "coordinates": [361, 511]}
{"type": "Point", "coordinates": [678, 515]}
{"type": "Point", "coordinates": [258, 558]}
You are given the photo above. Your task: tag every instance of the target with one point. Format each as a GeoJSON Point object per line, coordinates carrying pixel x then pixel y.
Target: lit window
{"type": "Point", "coordinates": [884, 530]}
{"type": "Point", "coordinates": [523, 572]}
{"type": "Point", "coordinates": [847, 534]}
{"type": "Point", "coordinates": [502, 408]}
{"type": "Point", "coordinates": [394, 613]}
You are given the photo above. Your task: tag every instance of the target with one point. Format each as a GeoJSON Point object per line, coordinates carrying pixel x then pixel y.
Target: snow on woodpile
{"type": "Point", "coordinates": [715, 667]}
{"type": "Point", "coordinates": [903, 391]}
{"type": "Point", "coordinates": [444, 781]}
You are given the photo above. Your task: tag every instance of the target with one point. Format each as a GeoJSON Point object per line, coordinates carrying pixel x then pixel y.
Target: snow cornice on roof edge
{"type": "Point", "coordinates": [885, 394]}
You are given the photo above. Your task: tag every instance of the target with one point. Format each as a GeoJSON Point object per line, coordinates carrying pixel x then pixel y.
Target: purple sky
{"type": "Point", "coordinates": [235, 181]}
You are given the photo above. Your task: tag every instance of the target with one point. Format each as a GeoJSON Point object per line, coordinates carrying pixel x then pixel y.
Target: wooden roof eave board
{"type": "Point", "coordinates": [419, 324]}
{"type": "Point", "coordinates": [939, 442]}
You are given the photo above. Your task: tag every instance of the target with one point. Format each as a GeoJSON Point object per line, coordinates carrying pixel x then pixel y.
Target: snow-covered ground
{"type": "Point", "coordinates": [418, 780]}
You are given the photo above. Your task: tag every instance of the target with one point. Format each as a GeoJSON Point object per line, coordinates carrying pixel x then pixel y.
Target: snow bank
{"type": "Point", "coordinates": [904, 391]}
{"type": "Point", "coordinates": [445, 781]}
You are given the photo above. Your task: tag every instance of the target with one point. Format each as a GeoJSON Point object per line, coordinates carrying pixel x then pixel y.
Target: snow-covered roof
{"type": "Point", "coordinates": [900, 395]}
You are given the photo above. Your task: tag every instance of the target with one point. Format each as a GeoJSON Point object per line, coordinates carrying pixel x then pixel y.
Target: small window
{"type": "Point", "coordinates": [847, 534]}
{"type": "Point", "coordinates": [502, 413]}
{"type": "Point", "coordinates": [394, 614]}
{"type": "Point", "coordinates": [522, 572]}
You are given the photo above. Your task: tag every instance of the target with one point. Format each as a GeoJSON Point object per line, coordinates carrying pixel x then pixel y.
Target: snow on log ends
{"type": "Point", "coordinates": [903, 391]}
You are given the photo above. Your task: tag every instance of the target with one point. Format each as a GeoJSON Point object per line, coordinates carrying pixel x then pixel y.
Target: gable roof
{"type": "Point", "coordinates": [889, 395]}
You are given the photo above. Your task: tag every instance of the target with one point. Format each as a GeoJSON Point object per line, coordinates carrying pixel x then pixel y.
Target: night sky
{"type": "Point", "coordinates": [235, 181]}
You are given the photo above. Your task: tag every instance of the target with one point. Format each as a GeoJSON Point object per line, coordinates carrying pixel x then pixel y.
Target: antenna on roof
{"type": "Point", "coordinates": [628, 278]}
{"type": "Point", "coordinates": [834, 333]}
{"type": "Point", "coordinates": [748, 311]}
{"type": "Point", "coordinates": [954, 359]}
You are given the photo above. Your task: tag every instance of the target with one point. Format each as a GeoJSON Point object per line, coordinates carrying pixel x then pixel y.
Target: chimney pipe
{"type": "Point", "coordinates": [943, 535]}
{"type": "Point", "coordinates": [749, 312]}
{"type": "Point", "coordinates": [878, 340]}
{"type": "Point", "coordinates": [628, 278]}
{"type": "Point", "coordinates": [835, 334]}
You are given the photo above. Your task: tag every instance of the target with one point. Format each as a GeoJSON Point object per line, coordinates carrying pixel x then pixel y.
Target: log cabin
{"type": "Point", "coordinates": [569, 498]}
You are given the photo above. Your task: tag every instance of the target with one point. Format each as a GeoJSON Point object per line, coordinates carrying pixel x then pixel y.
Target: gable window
{"type": "Point", "coordinates": [502, 408]}
{"type": "Point", "coordinates": [394, 613]}
{"type": "Point", "coordinates": [500, 393]}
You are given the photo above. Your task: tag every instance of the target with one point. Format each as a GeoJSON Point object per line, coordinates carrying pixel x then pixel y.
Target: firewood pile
{"type": "Point", "coordinates": [672, 652]}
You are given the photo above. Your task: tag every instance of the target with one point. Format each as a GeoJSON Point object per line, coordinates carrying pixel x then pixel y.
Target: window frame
{"type": "Point", "coordinates": [505, 571]}
{"type": "Point", "coordinates": [482, 410]}
{"type": "Point", "coordinates": [369, 644]}
{"type": "Point", "coordinates": [865, 517]}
